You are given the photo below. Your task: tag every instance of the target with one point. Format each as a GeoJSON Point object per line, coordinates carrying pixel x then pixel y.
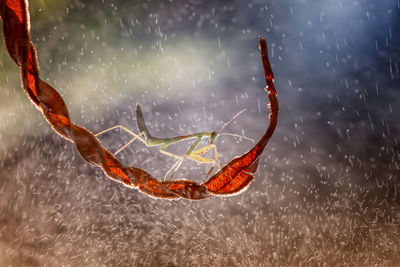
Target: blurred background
{"type": "Point", "coordinates": [327, 188]}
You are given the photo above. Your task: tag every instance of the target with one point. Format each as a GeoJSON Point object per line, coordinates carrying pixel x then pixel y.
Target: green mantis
{"type": "Point", "coordinates": [193, 152]}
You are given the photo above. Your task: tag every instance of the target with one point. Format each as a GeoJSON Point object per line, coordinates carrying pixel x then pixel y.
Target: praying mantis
{"type": "Point", "coordinates": [193, 152]}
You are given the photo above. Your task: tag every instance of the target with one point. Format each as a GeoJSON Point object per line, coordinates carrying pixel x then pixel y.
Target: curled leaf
{"type": "Point", "coordinates": [232, 178]}
{"type": "Point", "coordinates": [236, 175]}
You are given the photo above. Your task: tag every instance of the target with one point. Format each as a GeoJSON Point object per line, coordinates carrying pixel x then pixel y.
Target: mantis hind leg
{"type": "Point", "coordinates": [135, 136]}
{"type": "Point", "coordinates": [176, 165]}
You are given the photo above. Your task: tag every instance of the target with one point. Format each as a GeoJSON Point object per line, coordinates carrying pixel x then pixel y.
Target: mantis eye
{"type": "Point", "coordinates": [213, 136]}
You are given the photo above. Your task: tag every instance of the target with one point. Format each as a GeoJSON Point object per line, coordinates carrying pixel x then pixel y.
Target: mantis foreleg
{"type": "Point", "coordinates": [196, 155]}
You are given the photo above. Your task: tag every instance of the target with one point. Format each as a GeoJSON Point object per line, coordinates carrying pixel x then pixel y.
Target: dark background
{"type": "Point", "coordinates": [327, 190]}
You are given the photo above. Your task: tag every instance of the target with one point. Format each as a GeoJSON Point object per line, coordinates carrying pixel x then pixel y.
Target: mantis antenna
{"type": "Point", "coordinates": [234, 117]}
{"type": "Point", "coordinates": [228, 122]}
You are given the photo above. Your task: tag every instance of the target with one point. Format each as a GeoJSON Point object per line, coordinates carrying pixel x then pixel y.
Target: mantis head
{"type": "Point", "coordinates": [213, 136]}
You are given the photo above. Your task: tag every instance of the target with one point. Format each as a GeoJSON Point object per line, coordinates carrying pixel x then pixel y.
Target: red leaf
{"type": "Point", "coordinates": [232, 178]}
